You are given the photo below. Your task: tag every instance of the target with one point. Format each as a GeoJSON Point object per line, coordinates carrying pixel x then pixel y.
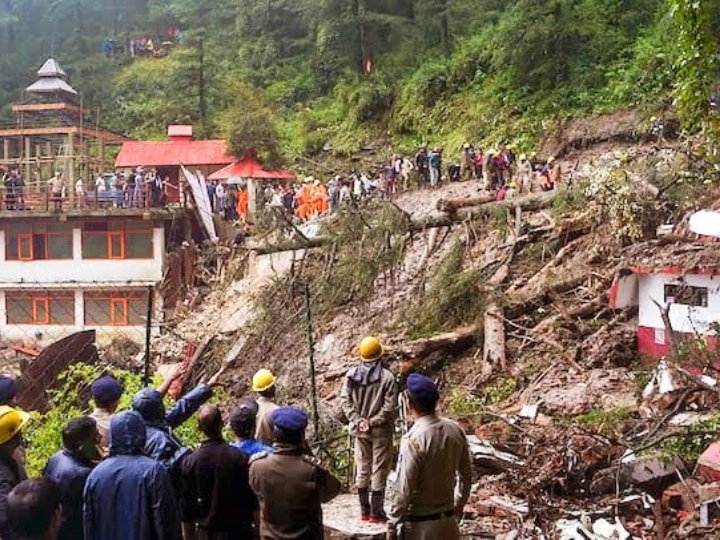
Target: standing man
{"type": "Point", "coordinates": [216, 494]}
{"type": "Point", "coordinates": [11, 472]}
{"type": "Point", "coordinates": [263, 382]}
{"type": "Point", "coordinates": [290, 483]}
{"type": "Point", "coordinates": [369, 395]}
{"type": "Point", "coordinates": [161, 444]}
{"type": "Point", "coordinates": [129, 495]}
{"type": "Point", "coordinates": [70, 468]}
{"type": "Point", "coordinates": [243, 422]}
{"type": "Point", "coordinates": [434, 453]}
{"type": "Point", "coordinates": [106, 392]}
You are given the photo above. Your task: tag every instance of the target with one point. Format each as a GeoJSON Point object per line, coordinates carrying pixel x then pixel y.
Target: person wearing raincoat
{"type": "Point", "coordinates": [130, 495]}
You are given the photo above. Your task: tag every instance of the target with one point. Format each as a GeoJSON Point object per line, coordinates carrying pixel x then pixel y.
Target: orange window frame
{"type": "Point", "coordinates": [123, 303]}
{"type": "Point", "coordinates": [25, 239]}
{"type": "Point", "coordinates": [120, 236]}
{"type": "Point", "coordinates": [43, 301]}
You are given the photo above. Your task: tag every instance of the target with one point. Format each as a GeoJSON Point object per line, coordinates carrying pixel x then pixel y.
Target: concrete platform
{"type": "Point", "coordinates": [341, 519]}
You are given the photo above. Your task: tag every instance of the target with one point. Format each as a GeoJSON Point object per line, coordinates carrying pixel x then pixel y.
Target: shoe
{"type": "Point", "coordinates": [377, 503]}
{"type": "Point", "coordinates": [364, 497]}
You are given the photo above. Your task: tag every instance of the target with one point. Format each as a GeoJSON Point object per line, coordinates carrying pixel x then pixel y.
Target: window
{"type": "Point", "coordinates": [40, 308]}
{"type": "Point", "coordinates": [686, 295]}
{"type": "Point", "coordinates": [32, 242]}
{"type": "Point", "coordinates": [115, 308]}
{"type": "Point", "coordinates": [117, 240]}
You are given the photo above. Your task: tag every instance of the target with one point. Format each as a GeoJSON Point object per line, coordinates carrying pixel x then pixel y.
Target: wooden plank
{"type": "Point", "coordinates": [37, 107]}
{"type": "Point", "coordinates": [64, 130]}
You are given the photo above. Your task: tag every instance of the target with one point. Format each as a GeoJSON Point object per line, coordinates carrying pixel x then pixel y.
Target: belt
{"type": "Point", "coordinates": [430, 517]}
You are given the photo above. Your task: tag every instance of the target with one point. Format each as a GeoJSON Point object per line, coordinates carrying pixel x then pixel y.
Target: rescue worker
{"type": "Point", "coordinates": [290, 483]}
{"type": "Point", "coordinates": [263, 382]}
{"type": "Point", "coordinates": [161, 444]}
{"type": "Point", "coordinates": [11, 471]}
{"type": "Point", "coordinates": [432, 481]}
{"type": "Point", "coordinates": [33, 508]}
{"type": "Point", "coordinates": [129, 495]}
{"type": "Point", "coordinates": [243, 422]}
{"type": "Point", "coordinates": [70, 468]}
{"type": "Point", "coordinates": [369, 396]}
{"type": "Point", "coordinates": [216, 492]}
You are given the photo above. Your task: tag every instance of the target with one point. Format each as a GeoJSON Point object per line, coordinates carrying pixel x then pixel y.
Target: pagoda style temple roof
{"type": "Point", "coordinates": [51, 79]}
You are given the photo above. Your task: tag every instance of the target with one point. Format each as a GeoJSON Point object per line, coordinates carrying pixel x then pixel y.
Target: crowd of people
{"type": "Point", "coordinates": [124, 475]}
{"type": "Point", "coordinates": [499, 170]}
{"type": "Point", "coordinates": [142, 46]}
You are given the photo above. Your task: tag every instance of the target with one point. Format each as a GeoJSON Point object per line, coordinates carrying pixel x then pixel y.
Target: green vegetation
{"type": "Point", "coordinates": [319, 72]}
{"type": "Point", "coordinates": [71, 400]}
{"type": "Point", "coordinates": [608, 423]}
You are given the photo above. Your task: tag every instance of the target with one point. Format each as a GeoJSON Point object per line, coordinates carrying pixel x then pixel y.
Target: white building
{"type": "Point", "coordinates": [62, 273]}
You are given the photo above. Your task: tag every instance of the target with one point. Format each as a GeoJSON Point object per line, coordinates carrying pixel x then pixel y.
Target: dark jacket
{"type": "Point", "coordinates": [161, 444]}
{"type": "Point", "coordinates": [216, 492]}
{"type": "Point", "coordinates": [291, 487]}
{"type": "Point", "coordinates": [130, 496]}
{"type": "Point", "coordinates": [70, 471]}
{"type": "Point", "coordinates": [11, 474]}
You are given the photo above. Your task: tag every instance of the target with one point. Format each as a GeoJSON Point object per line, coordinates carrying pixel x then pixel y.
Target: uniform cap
{"type": "Point", "coordinates": [244, 413]}
{"type": "Point", "coordinates": [106, 389]}
{"type": "Point", "coordinates": [422, 389]}
{"type": "Point", "coordinates": [289, 419]}
{"type": "Point", "coordinates": [8, 389]}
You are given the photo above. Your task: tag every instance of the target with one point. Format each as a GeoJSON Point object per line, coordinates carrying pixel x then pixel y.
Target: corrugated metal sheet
{"type": "Point", "coordinates": [51, 84]}
{"type": "Point", "coordinates": [173, 153]}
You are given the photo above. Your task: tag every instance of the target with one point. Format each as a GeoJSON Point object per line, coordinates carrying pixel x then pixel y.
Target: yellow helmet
{"type": "Point", "coordinates": [262, 380]}
{"type": "Point", "coordinates": [11, 422]}
{"type": "Point", "coordinates": [370, 349]}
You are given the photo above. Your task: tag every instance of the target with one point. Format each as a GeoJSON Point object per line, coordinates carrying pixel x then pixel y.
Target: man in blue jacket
{"type": "Point", "coordinates": [161, 444]}
{"type": "Point", "coordinates": [70, 468]}
{"type": "Point", "coordinates": [129, 495]}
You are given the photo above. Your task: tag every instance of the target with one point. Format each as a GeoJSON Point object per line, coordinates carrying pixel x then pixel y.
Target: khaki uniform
{"type": "Point", "coordinates": [423, 489]}
{"type": "Point", "coordinates": [291, 487]}
{"type": "Point", "coordinates": [264, 428]}
{"type": "Point", "coordinates": [375, 402]}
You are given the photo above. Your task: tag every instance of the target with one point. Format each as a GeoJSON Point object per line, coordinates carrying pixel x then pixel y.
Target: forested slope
{"type": "Point", "coordinates": [341, 72]}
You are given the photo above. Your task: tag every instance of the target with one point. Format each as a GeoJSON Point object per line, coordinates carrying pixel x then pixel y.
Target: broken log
{"type": "Point", "coordinates": [453, 205]}
{"type": "Point", "coordinates": [531, 202]}
{"type": "Point", "coordinates": [420, 348]}
{"type": "Point", "coordinates": [494, 335]}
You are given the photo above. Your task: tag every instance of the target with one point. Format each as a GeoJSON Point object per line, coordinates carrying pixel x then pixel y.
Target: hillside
{"type": "Point", "coordinates": [322, 74]}
{"type": "Point", "coordinates": [427, 293]}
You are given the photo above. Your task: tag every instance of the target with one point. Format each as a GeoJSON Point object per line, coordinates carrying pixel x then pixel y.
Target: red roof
{"type": "Point", "coordinates": [249, 167]}
{"type": "Point", "coordinates": [169, 153]}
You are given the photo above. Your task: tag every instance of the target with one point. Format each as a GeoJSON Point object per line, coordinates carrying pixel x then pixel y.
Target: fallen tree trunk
{"type": "Point", "coordinates": [460, 337]}
{"type": "Point", "coordinates": [453, 205]}
{"type": "Point", "coordinates": [531, 203]}
{"type": "Point", "coordinates": [494, 335]}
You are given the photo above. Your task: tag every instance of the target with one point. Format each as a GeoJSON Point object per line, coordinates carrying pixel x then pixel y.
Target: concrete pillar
{"type": "Point", "coordinates": [50, 169]}
{"type": "Point", "coordinates": [27, 155]}
{"type": "Point", "coordinates": [77, 244]}
{"type": "Point", "coordinates": [254, 196]}
{"type": "Point", "coordinates": [6, 150]}
{"type": "Point", "coordinates": [79, 309]}
{"type": "Point", "coordinates": [101, 155]}
{"type": "Point", "coordinates": [37, 171]}
{"type": "Point", "coordinates": [85, 156]}
{"type": "Point", "coordinates": [70, 168]}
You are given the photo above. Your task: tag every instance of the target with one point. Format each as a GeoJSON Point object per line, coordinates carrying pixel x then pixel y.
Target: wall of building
{"type": "Point", "coordinates": [78, 270]}
{"type": "Point", "coordinates": [689, 320]}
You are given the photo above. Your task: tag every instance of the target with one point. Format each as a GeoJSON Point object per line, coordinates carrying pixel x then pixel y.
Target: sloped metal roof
{"type": "Point", "coordinates": [51, 68]}
{"type": "Point", "coordinates": [50, 85]}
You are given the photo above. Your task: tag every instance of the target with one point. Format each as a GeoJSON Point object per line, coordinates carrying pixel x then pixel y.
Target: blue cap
{"type": "Point", "coordinates": [149, 403]}
{"type": "Point", "coordinates": [422, 389]}
{"type": "Point", "coordinates": [8, 389]}
{"type": "Point", "coordinates": [289, 419]}
{"type": "Point", "coordinates": [106, 389]}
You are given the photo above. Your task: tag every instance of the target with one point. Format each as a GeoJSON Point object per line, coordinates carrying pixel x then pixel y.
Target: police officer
{"type": "Point", "coordinates": [369, 396]}
{"type": "Point", "coordinates": [290, 483]}
{"type": "Point", "coordinates": [425, 501]}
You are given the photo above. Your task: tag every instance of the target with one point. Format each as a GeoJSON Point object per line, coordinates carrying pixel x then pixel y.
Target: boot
{"type": "Point", "coordinates": [364, 496]}
{"type": "Point", "coordinates": [377, 503]}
